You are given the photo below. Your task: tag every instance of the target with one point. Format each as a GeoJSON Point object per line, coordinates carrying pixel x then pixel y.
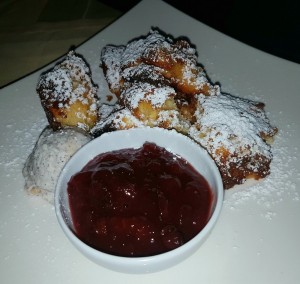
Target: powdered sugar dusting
{"type": "Point", "coordinates": [116, 117]}
{"type": "Point", "coordinates": [68, 95]}
{"type": "Point", "coordinates": [157, 73]}
{"type": "Point", "coordinates": [62, 89]}
{"type": "Point", "coordinates": [272, 190]}
{"type": "Point", "coordinates": [111, 55]}
{"type": "Point", "coordinates": [21, 143]}
{"type": "Point", "coordinates": [135, 49]}
{"type": "Point", "coordinates": [146, 92]}
{"type": "Point", "coordinates": [279, 186]}
{"type": "Point", "coordinates": [231, 121]}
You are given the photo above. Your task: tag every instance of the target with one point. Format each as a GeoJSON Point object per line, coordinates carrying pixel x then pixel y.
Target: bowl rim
{"type": "Point", "coordinates": [110, 260]}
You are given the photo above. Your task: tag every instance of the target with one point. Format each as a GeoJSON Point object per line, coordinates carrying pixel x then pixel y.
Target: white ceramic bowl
{"type": "Point", "coordinates": [135, 138]}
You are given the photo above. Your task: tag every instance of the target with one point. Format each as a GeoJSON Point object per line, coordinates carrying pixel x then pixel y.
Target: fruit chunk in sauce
{"type": "Point", "coordinates": [138, 202]}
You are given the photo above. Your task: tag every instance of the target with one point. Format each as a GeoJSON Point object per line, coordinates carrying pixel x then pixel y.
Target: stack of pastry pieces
{"type": "Point", "coordinates": [159, 83]}
{"type": "Point", "coordinates": [156, 81]}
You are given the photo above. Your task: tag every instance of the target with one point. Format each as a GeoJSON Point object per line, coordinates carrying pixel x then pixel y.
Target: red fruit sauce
{"type": "Point", "coordinates": [138, 202]}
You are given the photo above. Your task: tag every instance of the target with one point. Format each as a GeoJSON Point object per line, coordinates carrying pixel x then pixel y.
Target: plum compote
{"type": "Point", "coordinates": [138, 202]}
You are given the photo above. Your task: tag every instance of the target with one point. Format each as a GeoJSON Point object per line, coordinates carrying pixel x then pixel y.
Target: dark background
{"type": "Point", "coordinates": [36, 32]}
{"type": "Point", "coordinates": [271, 26]}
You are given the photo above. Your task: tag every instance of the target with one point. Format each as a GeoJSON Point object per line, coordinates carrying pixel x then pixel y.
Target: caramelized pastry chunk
{"type": "Point", "coordinates": [119, 118]}
{"type": "Point", "coordinates": [111, 65]}
{"type": "Point", "coordinates": [173, 60]}
{"type": "Point", "coordinates": [68, 94]}
{"type": "Point", "coordinates": [145, 101]}
{"type": "Point", "coordinates": [235, 132]}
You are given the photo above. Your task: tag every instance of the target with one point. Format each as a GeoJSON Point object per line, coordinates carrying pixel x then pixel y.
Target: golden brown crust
{"type": "Point", "coordinates": [111, 65]}
{"type": "Point", "coordinates": [68, 95]}
{"type": "Point", "coordinates": [234, 132]}
{"type": "Point", "coordinates": [173, 62]}
{"type": "Point", "coordinates": [178, 63]}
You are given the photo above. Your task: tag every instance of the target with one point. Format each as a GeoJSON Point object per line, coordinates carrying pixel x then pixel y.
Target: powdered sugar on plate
{"type": "Point", "coordinates": [20, 146]}
{"type": "Point", "coordinates": [279, 186]}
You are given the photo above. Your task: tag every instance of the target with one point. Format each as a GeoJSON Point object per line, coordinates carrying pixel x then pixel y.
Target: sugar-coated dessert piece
{"type": "Point", "coordinates": [236, 133]}
{"type": "Point", "coordinates": [175, 60]}
{"type": "Point", "coordinates": [145, 101]}
{"type": "Point", "coordinates": [52, 150]}
{"type": "Point", "coordinates": [111, 63]}
{"type": "Point", "coordinates": [119, 118]}
{"type": "Point", "coordinates": [144, 73]}
{"type": "Point", "coordinates": [68, 94]}
{"type": "Point", "coordinates": [150, 86]}
{"type": "Point", "coordinates": [178, 62]}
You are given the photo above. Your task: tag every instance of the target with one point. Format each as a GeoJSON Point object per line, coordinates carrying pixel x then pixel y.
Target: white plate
{"type": "Point", "coordinates": [256, 239]}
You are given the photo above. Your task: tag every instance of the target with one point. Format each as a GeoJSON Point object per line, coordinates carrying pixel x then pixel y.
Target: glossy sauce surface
{"type": "Point", "coordinates": [138, 202]}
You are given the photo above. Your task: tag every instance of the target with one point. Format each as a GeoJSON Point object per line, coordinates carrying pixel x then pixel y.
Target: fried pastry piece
{"type": "Point", "coordinates": [147, 94]}
{"type": "Point", "coordinates": [145, 101]}
{"type": "Point", "coordinates": [134, 50]}
{"type": "Point", "coordinates": [236, 133]}
{"type": "Point", "coordinates": [119, 118]}
{"type": "Point", "coordinates": [111, 65]}
{"type": "Point", "coordinates": [178, 62]}
{"type": "Point", "coordinates": [146, 74]}
{"type": "Point", "coordinates": [68, 94]}
{"type": "Point", "coordinates": [172, 61]}
{"type": "Point", "coordinates": [138, 79]}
